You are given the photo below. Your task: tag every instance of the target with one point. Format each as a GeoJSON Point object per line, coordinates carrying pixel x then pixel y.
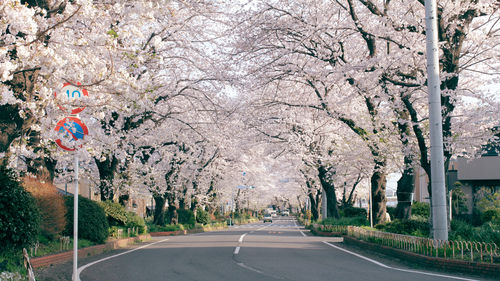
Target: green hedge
{"type": "Point", "coordinates": [19, 216]}
{"type": "Point", "coordinates": [92, 223]}
{"type": "Point", "coordinates": [353, 212]}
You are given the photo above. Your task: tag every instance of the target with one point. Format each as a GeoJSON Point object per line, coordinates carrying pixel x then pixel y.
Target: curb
{"type": "Point", "coordinates": [478, 268]}
{"type": "Point", "coordinates": [86, 252]}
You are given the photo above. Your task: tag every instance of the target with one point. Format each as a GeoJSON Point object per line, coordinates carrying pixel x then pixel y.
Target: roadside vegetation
{"type": "Point", "coordinates": [483, 226]}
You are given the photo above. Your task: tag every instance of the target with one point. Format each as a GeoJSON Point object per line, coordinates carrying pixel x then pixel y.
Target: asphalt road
{"type": "Point", "coordinates": [271, 251]}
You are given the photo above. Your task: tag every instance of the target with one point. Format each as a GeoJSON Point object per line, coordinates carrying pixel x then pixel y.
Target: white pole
{"type": "Point", "coordinates": [75, 224]}
{"type": "Point", "coordinates": [439, 218]}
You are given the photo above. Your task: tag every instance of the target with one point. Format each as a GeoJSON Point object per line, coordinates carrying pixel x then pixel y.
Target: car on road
{"type": "Point", "coordinates": [285, 213]}
{"type": "Point", "coordinates": [268, 217]}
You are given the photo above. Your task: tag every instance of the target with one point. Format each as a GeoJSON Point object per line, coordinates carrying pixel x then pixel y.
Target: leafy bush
{"type": "Point", "coordinates": [202, 216]}
{"type": "Point", "coordinates": [186, 216]}
{"type": "Point", "coordinates": [133, 220]}
{"type": "Point", "coordinates": [168, 227]}
{"type": "Point", "coordinates": [115, 213]}
{"type": "Point", "coordinates": [407, 227]}
{"type": "Point", "coordinates": [19, 216]}
{"type": "Point", "coordinates": [421, 209]}
{"type": "Point", "coordinates": [491, 215]}
{"type": "Point", "coordinates": [354, 212]}
{"type": "Point", "coordinates": [92, 223]}
{"type": "Point", "coordinates": [488, 232]}
{"type": "Point", "coordinates": [51, 206]}
{"type": "Point", "coordinates": [356, 221]}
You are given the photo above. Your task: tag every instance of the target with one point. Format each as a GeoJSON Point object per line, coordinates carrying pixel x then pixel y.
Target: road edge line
{"type": "Point", "coordinates": [83, 267]}
{"type": "Point", "coordinates": [395, 268]}
{"type": "Point", "coordinates": [301, 232]}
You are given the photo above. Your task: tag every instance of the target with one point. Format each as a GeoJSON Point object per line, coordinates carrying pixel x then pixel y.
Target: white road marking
{"type": "Point", "coordinates": [394, 268]}
{"type": "Point", "coordinates": [248, 267]}
{"type": "Point", "coordinates": [237, 250]}
{"type": "Point", "coordinates": [80, 269]}
{"type": "Point", "coordinates": [241, 238]}
{"type": "Point", "coordinates": [303, 234]}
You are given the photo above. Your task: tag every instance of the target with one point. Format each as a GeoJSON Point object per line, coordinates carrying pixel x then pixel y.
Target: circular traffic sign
{"type": "Point", "coordinates": [73, 130]}
{"type": "Point", "coordinates": [69, 98]}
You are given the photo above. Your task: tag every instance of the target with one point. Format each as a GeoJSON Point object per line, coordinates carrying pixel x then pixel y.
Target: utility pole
{"type": "Point", "coordinates": [439, 217]}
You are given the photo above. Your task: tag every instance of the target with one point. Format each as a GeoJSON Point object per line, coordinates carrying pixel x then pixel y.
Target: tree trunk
{"type": "Point", "coordinates": [329, 188]}
{"type": "Point", "coordinates": [159, 214]}
{"type": "Point", "coordinates": [378, 196]}
{"type": "Point", "coordinates": [404, 191]}
{"type": "Point", "coordinates": [107, 169]}
{"type": "Point", "coordinates": [314, 205]}
{"type": "Point", "coordinates": [301, 206]}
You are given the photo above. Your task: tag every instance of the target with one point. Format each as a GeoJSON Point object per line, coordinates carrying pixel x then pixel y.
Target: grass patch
{"type": "Point", "coordinates": [54, 247]}
{"type": "Point", "coordinates": [12, 261]}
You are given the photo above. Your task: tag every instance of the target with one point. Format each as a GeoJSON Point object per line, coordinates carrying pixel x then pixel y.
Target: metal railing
{"type": "Point", "coordinates": [463, 250]}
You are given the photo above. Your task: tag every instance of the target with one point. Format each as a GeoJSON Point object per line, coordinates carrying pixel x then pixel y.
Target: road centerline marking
{"type": "Point", "coordinates": [395, 268]}
{"type": "Point", "coordinates": [249, 268]}
{"type": "Point", "coordinates": [241, 238]}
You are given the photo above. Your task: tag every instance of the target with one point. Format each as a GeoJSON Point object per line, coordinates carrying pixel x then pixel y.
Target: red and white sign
{"type": "Point", "coordinates": [72, 131]}
{"type": "Point", "coordinates": [69, 97]}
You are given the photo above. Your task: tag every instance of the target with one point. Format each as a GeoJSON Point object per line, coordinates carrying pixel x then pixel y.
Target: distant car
{"type": "Point", "coordinates": [286, 213]}
{"type": "Point", "coordinates": [268, 217]}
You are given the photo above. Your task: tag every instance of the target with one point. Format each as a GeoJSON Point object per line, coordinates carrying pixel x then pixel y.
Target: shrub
{"type": "Point", "coordinates": [490, 215]}
{"type": "Point", "coordinates": [133, 220]}
{"type": "Point", "coordinates": [421, 209]}
{"type": "Point", "coordinates": [186, 216]}
{"type": "Point", "coordinates": [488, 232]}
{"type": "Point", "coordinates": [356, 221]}
{"type": "Point", "coordinates": [115, 213]}
{"type": "Point", "coordinates": [202, 216]}
{"type": "Point", "coordinates": [19, 216]}
{"type": "Point", "coordinates": [92, 223]}
{"type": "Point", "coordinates": [51, 206]}
{"type": "Point", "coordinates": [354, 212]}
{"type": "Point", "coordinates": [407, 227]}
{"type": "Point", "coordinates": [168, 227]}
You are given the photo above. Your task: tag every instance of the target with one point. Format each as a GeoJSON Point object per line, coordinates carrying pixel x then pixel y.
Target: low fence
{"type": "Point", "coordinates": [461, 250]}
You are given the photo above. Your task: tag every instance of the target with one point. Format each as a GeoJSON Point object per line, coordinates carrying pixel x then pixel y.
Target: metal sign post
{"type": "Point", "coordinates": [72, 130]}
{"type": "Point", "coordinates": [75, 224]}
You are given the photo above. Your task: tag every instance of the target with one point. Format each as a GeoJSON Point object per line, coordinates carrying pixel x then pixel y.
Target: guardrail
{"type": "Point", "coordinates": [463, 250]}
